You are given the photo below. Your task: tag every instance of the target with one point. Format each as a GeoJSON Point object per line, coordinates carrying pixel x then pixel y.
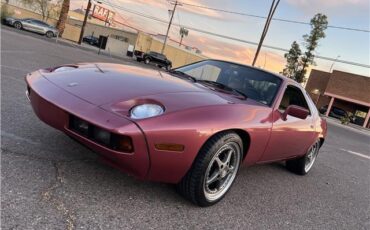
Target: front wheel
{"type": "Point", "coordinates": [168, 67]}
{"type": "Point", "coordinates": [147, 61]}
{"type": "Point", "coordinates": [213, 171]}
{"type": "Point", "coordinates": [303, 165]}
{"type": "Point", "coordinates": [18, 25]}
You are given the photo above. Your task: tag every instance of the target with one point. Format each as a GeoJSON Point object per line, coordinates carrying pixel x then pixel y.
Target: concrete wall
{"type": "Point", "coordinates": [178, 56]}
{"type": "Point", "coordinates": [24, 13]}
{"type": "Point", "coordinates": [97, 30]}
{"type": "Point", "coordinates": [117, 47]}
{"type": "Point", "coordinates": [73, 26]}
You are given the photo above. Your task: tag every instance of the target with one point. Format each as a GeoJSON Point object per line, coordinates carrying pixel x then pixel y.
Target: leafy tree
{"type": "Point", "coordinates": [297, 63]}
{"type": "Point", "coordinates": [292, 57]}
{"type": "Point", "coordinates": [319, 23]}
{"type": "Point", "coordinates": [63, 16]}
{"type": "Point", "coordinates": [46, 8]}
{"type": "Point", "coordinates": [183, 32]}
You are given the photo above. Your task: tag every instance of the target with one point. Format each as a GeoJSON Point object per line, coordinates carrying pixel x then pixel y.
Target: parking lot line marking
{"type": "Point", "coordinates": [356, 153]}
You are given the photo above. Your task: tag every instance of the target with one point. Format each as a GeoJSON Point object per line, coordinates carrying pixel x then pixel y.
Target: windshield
{"type": "Point", "coordinates": [255, 84]}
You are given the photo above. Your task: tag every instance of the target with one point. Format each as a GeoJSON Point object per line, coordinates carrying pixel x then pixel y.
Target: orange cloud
{"type": "Point", "coordinates": [223, 50]}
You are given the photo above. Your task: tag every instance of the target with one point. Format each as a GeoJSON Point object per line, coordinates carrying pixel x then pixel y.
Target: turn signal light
{"type": "Point", "coordinates": [123, 144]}
{"type": "Point", "coordinates": [170, 147]}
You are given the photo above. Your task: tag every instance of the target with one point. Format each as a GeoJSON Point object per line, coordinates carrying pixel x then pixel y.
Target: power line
{"type": "Point", "coordinates": [275, 19]}
{"type": "Point", "coordinates": [233, 38]}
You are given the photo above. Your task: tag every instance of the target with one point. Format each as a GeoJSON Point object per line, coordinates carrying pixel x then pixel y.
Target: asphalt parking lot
{"type": "Point", "coordinates": [51, 182]}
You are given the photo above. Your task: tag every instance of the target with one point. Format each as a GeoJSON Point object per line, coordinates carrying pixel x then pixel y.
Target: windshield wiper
{"type": "Point", "coordinates": [223, 87]}
{"type": "Point", "coordinates": [182, 74]}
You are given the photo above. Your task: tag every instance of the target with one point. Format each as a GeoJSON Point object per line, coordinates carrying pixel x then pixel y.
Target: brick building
{"type": "Point", "coordinates": [346, 91]}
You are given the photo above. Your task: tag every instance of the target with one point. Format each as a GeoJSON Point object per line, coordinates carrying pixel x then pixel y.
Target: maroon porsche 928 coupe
{"type": "Point", "coordinates": [193, 126]}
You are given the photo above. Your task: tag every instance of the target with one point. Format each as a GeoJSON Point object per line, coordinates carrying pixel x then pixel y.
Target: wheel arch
{"type": "Point", "coordinates": [17, 21]}
{"type": "Point", "coordinates": [244, 135]}
{"type": "Point", "coordinates": [322, 140]}
{"type": "Point", "coordinates": [49, 31]}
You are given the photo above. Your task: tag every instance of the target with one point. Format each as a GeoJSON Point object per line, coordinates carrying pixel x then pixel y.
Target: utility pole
{"type": "Point", "coordinates": [169, 26]}
{"type": "Point", "coordinates": [265, 29]}
{"type": "Point", "coordinates": [84, 22]}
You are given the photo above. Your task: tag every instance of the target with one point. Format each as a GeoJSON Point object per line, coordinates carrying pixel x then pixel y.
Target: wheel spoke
{"type": "Point", "coordinates": [213, 177]}
{"type": "Point", "coordinates": [219, 162]}
{"type": "Point", "coordinates": [228, 157]}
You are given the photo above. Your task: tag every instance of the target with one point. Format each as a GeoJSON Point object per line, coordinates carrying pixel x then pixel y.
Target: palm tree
{"type": "Point", "coordinates": [183, 32]}
{"type": "Point", "coordinates": [63, 16]}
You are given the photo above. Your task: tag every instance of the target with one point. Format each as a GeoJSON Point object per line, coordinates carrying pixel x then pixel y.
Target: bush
{"type": "Point", "coordinates": [347, 118]}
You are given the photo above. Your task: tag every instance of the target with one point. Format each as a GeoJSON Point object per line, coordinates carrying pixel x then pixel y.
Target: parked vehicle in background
{"type": "Point", "coordinates": [338, 113]}
{"type": "Point", "coordinates": [94, 41]}
{"type": "Point", "coordinates": [155, 58]}
{"type": "Point", "coordinates": [33, 25]}
{"type": "Point", "coordinates": [335, 112]}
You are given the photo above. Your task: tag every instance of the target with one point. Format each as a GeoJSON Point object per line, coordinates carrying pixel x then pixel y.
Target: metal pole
{"type": "Point", "coordinates": [169, 26]}
{"type": "Point", "coordinates": [265, 29]}
{"type": "Point", "coordinates": [332, 65]}
{"type": "Point", "coordinates": [84, 22]}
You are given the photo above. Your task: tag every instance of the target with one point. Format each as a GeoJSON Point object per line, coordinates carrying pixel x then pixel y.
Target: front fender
{"type": "Point", "coordinates": [192, 128]}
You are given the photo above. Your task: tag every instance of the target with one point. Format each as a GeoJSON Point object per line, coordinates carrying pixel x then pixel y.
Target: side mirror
{"type": "Point", "coordinates": [295, 111]}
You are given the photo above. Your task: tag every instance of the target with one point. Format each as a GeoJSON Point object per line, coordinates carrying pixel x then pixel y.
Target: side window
{"type": "Point", "coordinates": [293, 96]}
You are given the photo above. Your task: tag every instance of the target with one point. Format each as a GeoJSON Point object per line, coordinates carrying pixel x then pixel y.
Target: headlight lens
{"type": "Point", "coordinates": [145, 111]}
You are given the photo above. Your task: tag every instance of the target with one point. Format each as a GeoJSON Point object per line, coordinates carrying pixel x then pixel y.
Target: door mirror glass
{"type": "Point", "coordinates": [295, 111]}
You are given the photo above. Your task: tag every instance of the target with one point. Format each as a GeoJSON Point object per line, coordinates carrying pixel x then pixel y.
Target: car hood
{"type": "Point", "coordinates": [119, 87]}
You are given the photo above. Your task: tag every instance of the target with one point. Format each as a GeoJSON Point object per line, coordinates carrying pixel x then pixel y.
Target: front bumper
{"type": "Point", "coordinates": [54, 106]}
{"type": "Point", "coordinates": [9, 21]}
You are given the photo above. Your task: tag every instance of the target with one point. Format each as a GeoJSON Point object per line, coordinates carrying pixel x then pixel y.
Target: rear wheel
{"type": "Point", "coordinates": [304, 164]}
{"type": "Point", "coordinates": [18, 25]}
{"type": "Point", "coordinates": [147, 60]}
{"type": "Point", "coordinates": [213, 171]}
{"type": "Point", "coordinates": [168, 67]}
{"type": "Point", "coordinates": [49, 34]}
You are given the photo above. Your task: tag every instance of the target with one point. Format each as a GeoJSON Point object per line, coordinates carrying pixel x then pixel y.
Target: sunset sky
{"type": "Point", "coordinates": [350, 45]}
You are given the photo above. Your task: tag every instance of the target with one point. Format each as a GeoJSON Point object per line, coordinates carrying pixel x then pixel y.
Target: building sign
{"type": "Point", "coordinates": [103, 14]}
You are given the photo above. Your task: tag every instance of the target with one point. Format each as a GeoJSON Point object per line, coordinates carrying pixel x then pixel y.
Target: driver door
{"type": "Point", "coordinates": [293, 136]}
{"type": "Point", "coordinates": [29, 25]}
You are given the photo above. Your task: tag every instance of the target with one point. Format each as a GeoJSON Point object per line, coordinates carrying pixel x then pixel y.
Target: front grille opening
{"type": "Point", "coordinates": [103, 137]}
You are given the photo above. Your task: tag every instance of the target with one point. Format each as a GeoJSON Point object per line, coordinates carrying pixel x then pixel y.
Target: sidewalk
{"type": "Point", "coordinates": [350, 126]}
{"type": "Point", "coordinates": [87, 47]}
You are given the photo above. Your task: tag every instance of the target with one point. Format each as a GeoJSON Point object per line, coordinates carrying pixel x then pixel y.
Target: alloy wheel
{"type": "Point", "coordinates": [221, 171]}
{"type": "Point", "coordinates": [18, 25]}
{"type": "Point", "coordinates": [311, 157]}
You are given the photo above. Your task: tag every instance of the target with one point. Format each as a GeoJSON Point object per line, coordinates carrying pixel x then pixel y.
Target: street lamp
{"type": "Point", "coordinates": [318, 94]}
{"type": "Point", "coordinates": [332, 65]}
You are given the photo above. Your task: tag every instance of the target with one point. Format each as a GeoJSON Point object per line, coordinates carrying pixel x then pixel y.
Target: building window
{"type": "Point", "coordinates": [119, 37]}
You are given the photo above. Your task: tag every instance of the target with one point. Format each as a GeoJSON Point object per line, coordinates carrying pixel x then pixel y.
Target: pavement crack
{"type": "Point", "coordinates": [49, 196]}
{"type": "Point", "coordinates": [8, 151]}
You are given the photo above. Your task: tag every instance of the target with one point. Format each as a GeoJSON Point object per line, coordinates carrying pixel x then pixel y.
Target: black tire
{"type": "Point", "coordinates": [299, 165]}
{"type": "Point", "coordinates": [168, 67]}
{"type": "Point", "coordinates": [49, 34]}
{"type": "Point", "coordinates": [192, 185]}
{"type": "Point", "coordinates": [18, 25]}
{"type": "Point", "coordinates": [147, 61]}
